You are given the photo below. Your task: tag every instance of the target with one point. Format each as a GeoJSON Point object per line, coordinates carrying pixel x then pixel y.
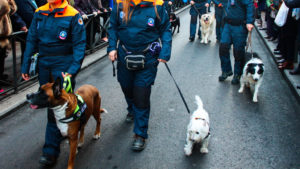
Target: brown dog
{"type": "Point", "coordinates": [70, 112]}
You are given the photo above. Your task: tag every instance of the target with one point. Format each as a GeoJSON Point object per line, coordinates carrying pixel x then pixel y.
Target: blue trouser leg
{"type": "Point", "coordinates": [52, 66]}
{"type": "Point", "coordinates": [193, 25]}
{"type": "Point", "coordinates": [239, 37]}
{"type": "Point", "coordinates": [218, 14]}
{"type": "Point", "coordinates": [224, 50]}
{"type": "Point", "coordinates": [137, 84]}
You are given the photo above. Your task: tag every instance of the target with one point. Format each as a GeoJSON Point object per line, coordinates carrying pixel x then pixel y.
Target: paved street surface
{"type": "Point", "coordinates": [244, 134]}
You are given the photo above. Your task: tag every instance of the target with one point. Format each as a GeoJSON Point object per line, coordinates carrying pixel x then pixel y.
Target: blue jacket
{"type": "Point", "coordinates": [142, 29]}
{"type": "Point", "coordinates": [59, 33]}
{"type": "Point", "coordinates": [200, 6]}
{"type": "Point", "coordinates": [242, 10]}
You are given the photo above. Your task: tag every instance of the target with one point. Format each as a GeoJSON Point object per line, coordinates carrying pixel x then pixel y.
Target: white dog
{"type": "Point", "coordinates": [198, 129]}
{"type": "Point", "coordinates": [208, 24]}
{"type": "Point", "coordinates": [252, 75]}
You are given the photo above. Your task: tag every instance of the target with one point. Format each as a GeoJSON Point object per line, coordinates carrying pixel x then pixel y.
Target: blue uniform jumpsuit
{"type": "Point", "coordinates": [59, 38]}
{"type": "Point", "coordinates": [219, 14]}
{"type": "Point", "coordinates": [237, 15]}
{"type": "Point", "coordinates": [142, 29]}
{"type": "Point", "coordinates": [198, 9]}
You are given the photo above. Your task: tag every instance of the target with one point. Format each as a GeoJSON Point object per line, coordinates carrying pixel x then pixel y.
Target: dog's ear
{"type": "Point", "coordinates": [57, 88]}
{"type": "Point", "coordinates": [250, 68]}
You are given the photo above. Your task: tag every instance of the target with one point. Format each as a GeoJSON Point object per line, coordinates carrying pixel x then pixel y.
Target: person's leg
{"type": "Point", "coordinates": [193, 26]}
{"type": "Point", "coordinates": [141, 103]}
{"type": "Point", "coordinates": [263, 19]}
{"type": "Point", "coordinates": [224, 53]}
{"type": "Point", "coordinates": [218, 14]}
{"type": "Point", "coordinates": [52, 66]}
{"type": "Point", "coordinates": [125, 78]}
{"type": "Point", "coordinates": [239, 42]}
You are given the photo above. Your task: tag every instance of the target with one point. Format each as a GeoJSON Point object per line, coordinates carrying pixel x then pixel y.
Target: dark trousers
{"type": "Point", "coordinates": [136, 86]}
{"type": "Point", "coordinates": [54, 65]}
{"type": "Point", "coordinates": [236, 35]}
{"type": "Point", "coordinates": [270, 26]}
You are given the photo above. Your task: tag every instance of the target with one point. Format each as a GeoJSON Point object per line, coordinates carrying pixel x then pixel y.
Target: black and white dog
{"type": "Point", "coordinates": [175, 22]}
{"type": "Point", "coordinates": [252, 74]}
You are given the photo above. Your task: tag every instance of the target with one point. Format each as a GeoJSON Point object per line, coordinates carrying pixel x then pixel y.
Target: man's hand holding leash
{"type": "Point", "coordinates": [113, 55]}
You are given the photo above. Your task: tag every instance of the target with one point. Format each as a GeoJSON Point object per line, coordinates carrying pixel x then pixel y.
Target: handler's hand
{"type": "Point", "coordinates": [84, 17]}
{"type": "Point", "coordinates": [65, 75]}
{"type": "Point", "coordinates": [206, 5]}
{"type": "Point", "coordinates": [192, 2]}
{"type": "Point", "coordinates": [25, 76]}
{"type": "Point", "coordinates": [113, 55]}
{"type": "Point", "coordinates": [170, 3]}
{"type": "Point", "coordinates": [161, 60]}
{"type": "Point", "coordinates": [249, 27]}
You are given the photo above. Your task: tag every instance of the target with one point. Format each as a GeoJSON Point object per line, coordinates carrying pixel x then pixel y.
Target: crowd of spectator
{"type": "Point", "coordinates": [286, 36]}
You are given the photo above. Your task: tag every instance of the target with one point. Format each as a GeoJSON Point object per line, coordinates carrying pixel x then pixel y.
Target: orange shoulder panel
{"type": "Point", "coordinates": [159, 2]}
{"type": "Point", "coordinates": [43, 8]}
{"type": "Point", "coordinates": [70, 11]}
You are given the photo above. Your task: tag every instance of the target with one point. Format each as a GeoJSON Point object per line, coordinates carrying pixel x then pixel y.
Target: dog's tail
{"type": "Point", "coordinates": [103, 111]}
{"type": "Point", "coordinates": [199, 101]}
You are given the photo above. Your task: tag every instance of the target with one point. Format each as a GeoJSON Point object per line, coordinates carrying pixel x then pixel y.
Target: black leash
{"type": "Point", "coordinates": [181, 95]}
{"type": "Point", "coordinates": [114, 69]}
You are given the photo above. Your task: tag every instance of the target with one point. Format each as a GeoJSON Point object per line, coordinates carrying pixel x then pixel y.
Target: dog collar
{"type": "Point", "coordinates": [78, 114]}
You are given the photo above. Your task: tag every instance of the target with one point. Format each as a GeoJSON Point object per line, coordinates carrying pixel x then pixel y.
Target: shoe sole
{"type": "Point", "coordinates": [138, 148]}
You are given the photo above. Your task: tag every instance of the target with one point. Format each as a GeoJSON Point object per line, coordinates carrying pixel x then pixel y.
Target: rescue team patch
{"type": "Point", "coordinates": [151, 22]}
{"type": "Point", "coordinates": [121, 14]}
{"type": "Point", "coordinates": [80, 21]}
{"type": "Point", "coordinates": [63, 35]}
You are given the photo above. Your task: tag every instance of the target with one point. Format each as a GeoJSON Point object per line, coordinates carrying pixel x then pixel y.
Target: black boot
{"type": "Point", "coordinates": [47, 160]}
{"type": "Point", "coordinates": [138, 144]}
{"type": "Point", "coordinates": [129, 118]}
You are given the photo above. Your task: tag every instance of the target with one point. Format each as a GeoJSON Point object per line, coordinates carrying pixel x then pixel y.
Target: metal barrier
{"type": "Point", "coordinates": [17, 83]}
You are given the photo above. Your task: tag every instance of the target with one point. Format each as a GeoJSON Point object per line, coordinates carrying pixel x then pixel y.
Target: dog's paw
{"type": "Point", "coordinates": [204, 150]}
{"type": "Point", "coordinates": [202, 41]}
{"type": "Point", "coordinates": [255, 100]}
{"type": "Point", "coordinates": [96, 136]}
{"type": "Point", "coordinates": [187, 151]}
{"type": "Point", "coordinates": [80, 145]}
{"type": "Point", "coordinates": [76, 150]}
{"type": "Point", "coordinates": [240, 90]}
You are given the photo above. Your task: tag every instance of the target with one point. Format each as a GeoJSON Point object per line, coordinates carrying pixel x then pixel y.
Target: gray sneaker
{"type": "Point", "coordinates": [236, 79]}
{"type": "Point", "coordinates": [224, 76]}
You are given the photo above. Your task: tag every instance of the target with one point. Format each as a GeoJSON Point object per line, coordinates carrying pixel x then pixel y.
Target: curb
{"type": "Point", "coordinates": [284, 73]}
{"type": "Point", "coordinates": [88, 61]}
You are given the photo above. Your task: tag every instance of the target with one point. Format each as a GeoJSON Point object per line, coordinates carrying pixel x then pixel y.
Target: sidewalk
{"type": "Point", "coordinates": [11, 103]}
{"type": "Point", "coordinates": [292, 80]}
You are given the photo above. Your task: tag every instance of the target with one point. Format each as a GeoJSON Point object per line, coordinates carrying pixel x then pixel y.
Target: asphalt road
{"type": "Point", "coordinates": [244, 134]}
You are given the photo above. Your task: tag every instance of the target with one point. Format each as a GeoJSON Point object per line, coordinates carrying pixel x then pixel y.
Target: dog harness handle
{"type": "Point", "coordinates": [67, 85]}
